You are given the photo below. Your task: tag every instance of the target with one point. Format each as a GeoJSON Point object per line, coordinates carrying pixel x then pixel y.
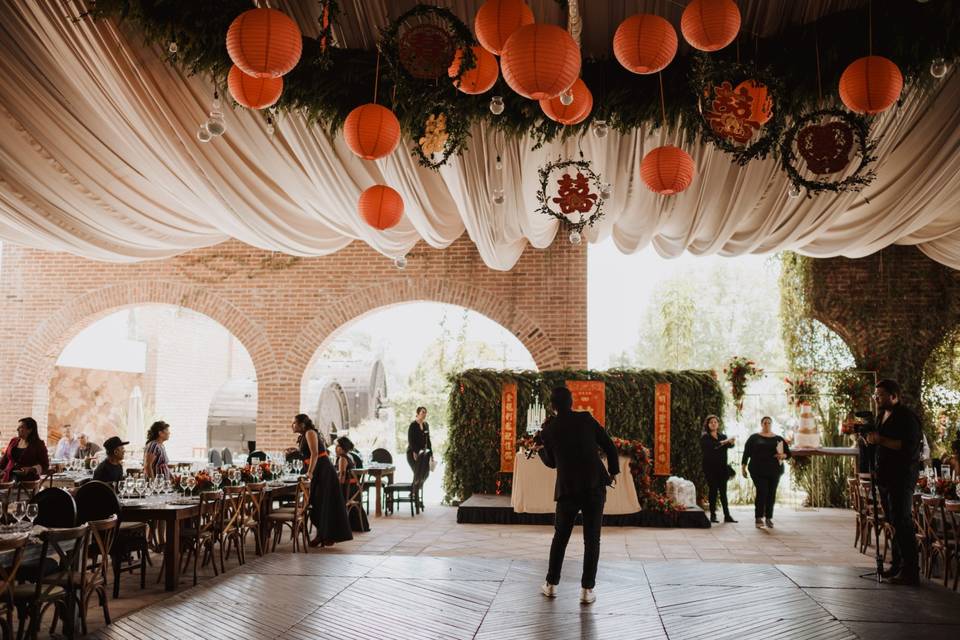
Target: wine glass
{"type": "Point", "coordinates": [33, 510]}
{"type": "Point", "coordinates": [191, 483]}
{"type": "Point", "coordinates": [184, 483]}
{"type": "Point", "coordinates": [141, 486]}
{"type": "Point", "coordinates": [217, 478]}
{"type": "Point", "coordinates": [19, 511]}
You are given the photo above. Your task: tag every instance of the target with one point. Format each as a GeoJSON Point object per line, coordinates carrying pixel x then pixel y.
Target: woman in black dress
{"type": "Point", "coordinates": [714, 445]}
{"type": "Point", "coordinates": [419, 449]}
{"type": "Point", "coordinates": [328, 513]}
{"type": "Point", "coordinates": [763, 455]}
{"type": "Point", "coordinates": [348, 484]}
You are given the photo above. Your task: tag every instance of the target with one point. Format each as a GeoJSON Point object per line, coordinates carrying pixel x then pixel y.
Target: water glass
{"type": "Point", "coordinates": [33, 510]}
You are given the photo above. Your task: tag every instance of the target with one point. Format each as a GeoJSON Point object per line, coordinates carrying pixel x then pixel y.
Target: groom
{"type": "Point", "coordinates": [571, 440]}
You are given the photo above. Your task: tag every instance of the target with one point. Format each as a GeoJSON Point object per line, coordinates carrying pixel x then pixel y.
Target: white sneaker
{"type": "Point", "coordinates": [587, 596]}
{"type": "Point", "coordinates": [549, 590]}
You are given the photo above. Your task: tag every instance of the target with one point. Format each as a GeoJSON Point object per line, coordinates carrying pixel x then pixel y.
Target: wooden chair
{"type": "Point", "coordinates": [935, 521]}
{"type": "Point", "coordinates": [951, 511]}
{"type": "Point", "coordinates": [853, 488]}
{"type": "Point", "coordinates": [8, 577]}
{"type": "Point", "coordinates": [26, 489]}
{"type": "Point", "coordinates": [93, 579]}
{"type": "Point", "coordinates": [296, 519]}
{"type": "Point", "coordinates": [232, 516]}
{"type": "Point", "coordinates": [200, 535]}
{"type": "Point", "coordinates": [253, 522]}
{"type": "Point", "coordinates": [58, 589]}
{"type": "Point", "coordinates": [919, 530]}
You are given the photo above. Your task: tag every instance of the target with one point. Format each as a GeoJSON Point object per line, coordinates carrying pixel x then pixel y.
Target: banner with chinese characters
{"type": "Point", "coordinates": [508, 426]}
{"type": "Point", "coordinates": [590, 395]}
{"type": "Point", "coordinates": [661, 429]}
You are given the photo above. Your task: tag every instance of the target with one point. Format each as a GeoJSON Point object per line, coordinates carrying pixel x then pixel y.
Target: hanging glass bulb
{"type": "Point", "coordinates": [400, 262]}
{"type": "Point", "coordinates": [498, 197]}
{"type": "Point", "coordinates": [600, 129]}
{"type": "Point", "coordinates": [606, 190]}
{"type": "Point", "coordinates": [203, 135]}
{"type": "Point", "coordinates": [499, 164]}
{"type": "Point", "coordinates": [575, 237]}
{"type": "Point", "coordinates": [215, 123]}
{"type": "Point", "coordinates": [496, 105]}
{"type": "Point", "coordinates": [938, 68]}
{"type": "Point", "coordinates": [566, 98]}
{"type": "Point", "coordinates": [172, 48]}
{"type": "Point", "coordinates": [793, 191]}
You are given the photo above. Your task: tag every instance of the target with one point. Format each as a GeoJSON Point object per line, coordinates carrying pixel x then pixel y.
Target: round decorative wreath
{"type": "Point", "coordinates": [456, 130]}
{"type": "Point", "coordinates": [854, 125]}
{"type": "Point", "coordinates": [725, 93]}
{"type": "Point", "coordinates": [575, 194]}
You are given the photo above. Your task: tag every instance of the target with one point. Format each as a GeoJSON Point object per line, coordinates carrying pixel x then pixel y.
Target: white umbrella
{"type": "Point", "coordinates": [134, 414]}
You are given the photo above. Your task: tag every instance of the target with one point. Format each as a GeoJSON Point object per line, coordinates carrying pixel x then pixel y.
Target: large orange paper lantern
{"type": "Point", "coordinates": [645, 43]}
{"type": "Point", "coordinates": [573, 113]}
{"type": "Point", "coordinates": [540, 61]}
{"type": "Point", "coordinates": [710, 25]}
{"type": "Point", "coordinates": [264, 43]}
{"type": "Point", "coordinates": [371, 131]}
{"type": "Point", "coordinates": [667, 170]}
{"type": "Point", "coordinates": [496, 20]}
{"type": "Point", "coordinates": [251, 92]}
{"type": "Point", "coordinates": [380, 207]}
{"type": "Point", "coordinates": [481, 77]}
{"type": "Point", "coordinates": [870, 85]}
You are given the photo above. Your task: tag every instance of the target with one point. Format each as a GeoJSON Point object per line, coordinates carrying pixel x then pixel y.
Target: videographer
{"type": "Point", "coordinates": [898, 450]}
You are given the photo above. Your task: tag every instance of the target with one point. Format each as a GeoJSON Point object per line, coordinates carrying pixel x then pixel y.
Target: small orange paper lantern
{"type": "Point", "coordinates": [481, 77]}
{"type": "Point", "coordinates": [710, 25]}
{"type": "Point", "coordinates": [667, 170]}
{"type": "Point", "coordinates": [540, 61]}
{"type": "Point", "coordinates": [380, 207]}
{"type": "Point", "coordinates": [371, 131]}
{"type": "Point", "coordinates": [251, 92]}
{"type": "Point", "coordinates": [573, 113]}
{"type": "Point", "coordinates": [645, 43]}
{"type": "Point", "coordinates": [496, 21]}
{"type": "Point", "coordinates": [264, 43]}
{"type": "Point", "coordinates": [870, 85]}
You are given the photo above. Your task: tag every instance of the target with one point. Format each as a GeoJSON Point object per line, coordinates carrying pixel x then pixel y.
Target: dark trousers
{"type": "Point", "coordinates": [897, 499]}
{"type": "Point", "coordinates": [592, 509]}
{"type": "Point", "coordinates": [718, 488]}
{"type": "Point", "coordinates": [766, 495]}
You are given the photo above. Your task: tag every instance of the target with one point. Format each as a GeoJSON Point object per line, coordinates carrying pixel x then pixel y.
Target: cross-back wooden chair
{"type": "Point", "coordinates": [200, 535]}
{"type": "Point", "coordinates": [253, 522]}
{"type": "Point", "coordinates": [233, 513]}
{"type": "Point", "coordinates": [8, 576]}
{"type": "Point", "coordinates": [296, 520]}
{"type": "Point", "coordinates": [938, 534]}
{"type": "Point", "coordinates": [103, 534]}
{"type": "Point", "coordinates": [951, 510]}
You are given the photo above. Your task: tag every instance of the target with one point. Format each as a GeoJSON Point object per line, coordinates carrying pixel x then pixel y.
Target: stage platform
{"type": "Point", "coordinates": [487, 509]}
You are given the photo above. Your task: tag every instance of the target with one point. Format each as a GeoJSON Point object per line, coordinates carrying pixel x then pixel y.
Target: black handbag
{"type": "Point", "coordinates": [731, 472]}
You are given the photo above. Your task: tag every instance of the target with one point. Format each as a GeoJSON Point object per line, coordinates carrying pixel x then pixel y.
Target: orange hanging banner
{"type": "Point", "coordinates": [508, 426]}
{"type": "Point", "coordinates": [661, 429]}
{"type": "Point", "coordinates": [590, 395]}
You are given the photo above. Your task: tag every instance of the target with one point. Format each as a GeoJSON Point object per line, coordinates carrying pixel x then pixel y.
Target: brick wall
{"type": "Point", "coordinates": [282, 311]}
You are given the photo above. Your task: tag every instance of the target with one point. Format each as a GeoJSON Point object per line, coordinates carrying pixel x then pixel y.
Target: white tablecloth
{"type": "Point", "coordinates": [533, 484]}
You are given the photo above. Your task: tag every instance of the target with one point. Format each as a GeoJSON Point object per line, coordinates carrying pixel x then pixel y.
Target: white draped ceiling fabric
{"type": "Point", "coordinates": [98, 157]}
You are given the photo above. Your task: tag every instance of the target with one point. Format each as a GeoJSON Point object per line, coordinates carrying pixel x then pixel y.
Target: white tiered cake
{"type": "Point", "coordinates": [808, 437]}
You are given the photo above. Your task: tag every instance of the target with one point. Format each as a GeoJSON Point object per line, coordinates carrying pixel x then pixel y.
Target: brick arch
{"type": "Point", "coordinates": [361, 302]}
{"type": "Point", "coordinates": [39, 353]}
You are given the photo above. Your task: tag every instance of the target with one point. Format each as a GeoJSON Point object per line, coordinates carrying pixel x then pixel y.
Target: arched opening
{"type": "Point", "coordinates": [940, 396]}
{"type": "Point", "coordinates": [130, 367]}
{"type": "Point", "coordinates": [392, 359]}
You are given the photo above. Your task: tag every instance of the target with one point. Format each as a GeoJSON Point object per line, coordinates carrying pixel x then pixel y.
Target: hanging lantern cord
{"type": "Point", "coordinates": [663, 108]}
{"type": "Point", "coordinates": [816, 48]}
{"type": "Point", "coordinates": [376, 78]}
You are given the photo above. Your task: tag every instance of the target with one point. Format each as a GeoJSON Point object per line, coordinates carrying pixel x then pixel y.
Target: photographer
{"type": "Point", "coordinates": [898, 450]}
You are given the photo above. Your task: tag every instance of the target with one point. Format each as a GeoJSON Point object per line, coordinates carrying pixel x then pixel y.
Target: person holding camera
{"type": "Point", "coordinates": [714, 445]}
{"type": "Point", "coordinates": [898, 450]}
{"type": "Point", "coordinates": [570, 443]}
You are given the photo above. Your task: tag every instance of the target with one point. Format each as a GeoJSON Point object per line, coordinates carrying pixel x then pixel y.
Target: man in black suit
{"type": "Point", "coordinates": [571, 443]}
{"type": "Point", "coordinates": [898, 451]}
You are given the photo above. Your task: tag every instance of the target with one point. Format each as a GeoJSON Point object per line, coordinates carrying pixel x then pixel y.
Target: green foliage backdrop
{"type": "Point", "coordinates": [473, 448]}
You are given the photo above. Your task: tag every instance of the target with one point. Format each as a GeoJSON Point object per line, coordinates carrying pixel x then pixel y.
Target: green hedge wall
{"type": "Point", "coordinates": [473, 447]}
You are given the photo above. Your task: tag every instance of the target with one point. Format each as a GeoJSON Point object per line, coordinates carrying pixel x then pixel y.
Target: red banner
{"type": "Point", "coordinates": [661, 429]}
{"type": "Point", "coordinates": [590, 395]}
{"type": "Point", "coordinates": [508, 426]}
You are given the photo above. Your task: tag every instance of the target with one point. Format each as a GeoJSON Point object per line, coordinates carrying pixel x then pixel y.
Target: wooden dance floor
{"type": "Point", "coordinates": [365, 597]}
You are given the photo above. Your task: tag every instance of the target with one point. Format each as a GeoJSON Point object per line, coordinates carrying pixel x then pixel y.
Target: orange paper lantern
{"type": "Point", "coordinates": [264, 43]}
{"type": "Point", "coordinates": [380, 207]}
{"type": "Point", "coordinates": [572, 113]}
{"type": "Point", "coordinates": [710, 25]}
{"type": "Point", "coordinates": [371, 131]}
{"type": "Point", "coordinates": [251, 92]}
{"type": "Point", "coordinates": [540, 61]}
{"type": "Point", "coordinates": [645, 43]}
{"type": "Point", "coordinates": [481, 77]}
{"type": "Point", "coordinates": [667, 170]}
{"type": "Point", "coordinates": [496, 21]}
{"type": "Point", "coordinates": [870, 85]}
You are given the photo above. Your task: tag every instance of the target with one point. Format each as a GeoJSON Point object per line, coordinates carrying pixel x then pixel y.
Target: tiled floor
{"type": "Point", "coordinates": [807, 537]}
